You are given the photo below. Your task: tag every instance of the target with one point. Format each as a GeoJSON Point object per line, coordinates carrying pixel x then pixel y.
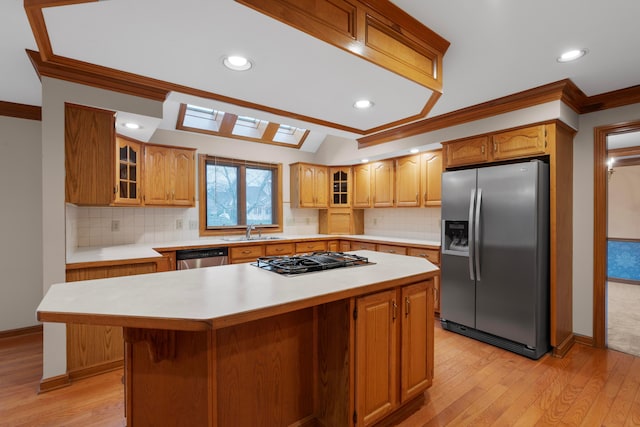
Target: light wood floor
{"type": "Point", "coordinates": [475, 385]}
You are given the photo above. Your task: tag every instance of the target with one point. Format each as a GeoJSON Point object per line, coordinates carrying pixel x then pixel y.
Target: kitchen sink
{"type": "Point", "coordinates": [250, 239]}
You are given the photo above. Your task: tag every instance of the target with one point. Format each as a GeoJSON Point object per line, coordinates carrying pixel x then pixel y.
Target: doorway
{"type": "Point", "coordinates": [601, 173]}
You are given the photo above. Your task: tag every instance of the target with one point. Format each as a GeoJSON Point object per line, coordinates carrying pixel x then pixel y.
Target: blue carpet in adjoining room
{"type": "Point", "coordinates": [623, 260]}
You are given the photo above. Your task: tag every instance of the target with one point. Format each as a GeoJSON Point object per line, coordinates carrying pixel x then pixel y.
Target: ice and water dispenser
{"type": "Point", "coordinates": [455, 238]}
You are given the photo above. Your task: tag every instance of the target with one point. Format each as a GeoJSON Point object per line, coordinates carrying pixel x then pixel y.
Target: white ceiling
{"type": "Point", "coordinates": [498, 47]}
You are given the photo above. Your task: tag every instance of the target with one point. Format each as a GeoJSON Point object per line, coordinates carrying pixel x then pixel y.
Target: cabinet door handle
{"type": "Point", "coordinates": [417, 197]}
{"type": "Point", "coordinates": [391, 251]}
{"type": "Point", "coordinates": [115, 189]}
{"type": "Point", "coordinates": [495, 147]}
{"type": "Point", "coordinates": [395, 310]}
{"type": "Point", "coordinates": [483, 149]}
{"type": "Point", "coordinates": [406, 306]}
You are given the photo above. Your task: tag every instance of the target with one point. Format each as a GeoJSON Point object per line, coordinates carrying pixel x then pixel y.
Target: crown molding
{"type": "Point", "coordinates": [20, 111]}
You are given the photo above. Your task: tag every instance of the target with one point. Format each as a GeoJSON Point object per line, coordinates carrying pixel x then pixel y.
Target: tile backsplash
{"type": "Point", "coordinates": [408, 223]}
{"type": "Point", "coordinates": [110, 226]}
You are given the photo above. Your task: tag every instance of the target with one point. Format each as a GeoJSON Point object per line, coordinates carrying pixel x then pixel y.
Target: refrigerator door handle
{"type": "Point", "coordinates": [472, 205]}
{"type": "Point", "coordinates": [476, 237]}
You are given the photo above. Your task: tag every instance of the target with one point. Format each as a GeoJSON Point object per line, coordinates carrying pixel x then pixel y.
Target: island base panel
{"type": "Point", "coordinates": [260, 373]}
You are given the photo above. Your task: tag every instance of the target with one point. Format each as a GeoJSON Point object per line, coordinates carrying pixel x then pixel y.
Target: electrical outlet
{"type": "Point", "coordinates": [193, 224]}
{"type": "Point", "coordinates": [308, 220]}
{"type": "Point", "coordinates": [375, 221]}
{"type": "Point", "coordinates": [179, 224]}
{"type": "Point", "coordinates": [115, 225]}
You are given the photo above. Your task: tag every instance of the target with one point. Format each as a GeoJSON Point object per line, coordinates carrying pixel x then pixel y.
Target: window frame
{"type": "Point", "coordinates": [226, 128]}
{"type": "Point", "coordinates": [276, 169]}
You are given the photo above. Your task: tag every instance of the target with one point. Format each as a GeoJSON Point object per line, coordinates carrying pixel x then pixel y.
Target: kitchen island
{"type": "Point", "coordinates": [238, 345]}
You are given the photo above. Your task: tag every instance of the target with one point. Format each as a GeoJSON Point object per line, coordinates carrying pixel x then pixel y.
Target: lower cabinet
{"type": "Point", "coordinates": [393, 351]}
{"type": "Point", "coordinates": [95, 349]}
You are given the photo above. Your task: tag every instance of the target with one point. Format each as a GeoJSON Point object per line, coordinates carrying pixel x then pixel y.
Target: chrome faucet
{"type": "Point", "coordinates": [247, 233]}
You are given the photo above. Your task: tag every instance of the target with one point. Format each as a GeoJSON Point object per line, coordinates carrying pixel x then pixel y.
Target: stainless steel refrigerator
{"type": "Point", "coordinates": [495, 255]}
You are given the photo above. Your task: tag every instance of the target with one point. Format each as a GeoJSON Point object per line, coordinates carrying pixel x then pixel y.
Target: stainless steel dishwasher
{"type": "Point", "coordinates": [199, 258]}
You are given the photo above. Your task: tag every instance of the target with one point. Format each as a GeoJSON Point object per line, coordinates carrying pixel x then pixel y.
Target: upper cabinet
{"type": "Point", "coordinates": [408, 181]}
{"type": "Point", "coordinates": [105, 169]}
{"type": "Point", "coordinates": [431, 178]}
{"type": "Point", "coordinates": [340, 178]}
{"type": "Point", "coordinates": [129, 159]}
{"type": "Point", "coordinates": [512, 144]}
{"type": "Point", "coordinates": [362, 186]}
{"type": "Point", "coordinates": [169, 176]}
{"type": "Point", "coordinates": [382, 183]}
{"type": "Point", "coordinates": [89, 137]}
{"type": "Point", "coordinates": [309, 186]}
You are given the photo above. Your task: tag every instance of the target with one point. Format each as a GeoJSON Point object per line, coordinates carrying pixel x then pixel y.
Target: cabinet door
{"type": "Point", "coordinates": [89, 138]}
{"type": "Point", "coordinates": [182, 177]}
{"type": "Point", "coordinates": [519, 143]}
{"type": "Point", "coordinates": [408, 181]}
{"type": "Point", "coordinates": [128, 176]}
{"type": "Point", "coordinates": [306, 189]}
{"type": "Point", "coordinates": [417, 340]}
{"type": "Point", "coordinates": [362, 186]}
{"type": "Point", "coordinates": [157, 178]}
{"type": "Point", "coordinates": [321, 187]}
{"type": "Point", "coordinates": [376, 356]}
{"type": "Point", "coordinates": [340, 183]}
{"type": "Point", "coordinates": [432, 178]}
{"type": "Point", "coordinates": [382, 184]}
{"type": "Point", "coordinates": [467, 152]}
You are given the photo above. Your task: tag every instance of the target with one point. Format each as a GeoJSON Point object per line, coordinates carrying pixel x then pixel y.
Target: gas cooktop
{"type": "Point", "coordinates": [307, 263]}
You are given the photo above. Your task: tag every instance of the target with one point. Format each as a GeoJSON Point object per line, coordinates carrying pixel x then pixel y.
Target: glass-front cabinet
{"type": "Point", "coordinates": [340, 187]}
{"type": "Point", "coordinates": [128, 172]}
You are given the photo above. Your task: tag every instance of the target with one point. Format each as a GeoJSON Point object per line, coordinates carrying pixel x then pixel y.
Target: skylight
{"type": "Point", "coordinates": [207, 120]}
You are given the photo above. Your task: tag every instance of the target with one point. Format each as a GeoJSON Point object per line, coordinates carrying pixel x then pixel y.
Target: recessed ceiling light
{"type": "Point", "coordinates": [572, 55]}
{"type": "Point", "coordinates": [363, 104]}
{"type": "Point", "coordinates": [365, 160]}
{"type": "Point", "coordinates": [414, 150]}
{"type": "Point", "coordinates": [131, 125]}
{"type": "Point", "coordinates": [236, 63]}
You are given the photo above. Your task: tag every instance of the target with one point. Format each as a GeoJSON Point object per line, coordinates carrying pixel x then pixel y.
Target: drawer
{"type": "Point", "coordinates": [363, 246]}
{"type": "Point", "coordinates": [280, 249]}
{"type": "Point", "coordinates": [433, 255]}
{"type": "Point", "coordinates": [246, 253]}
{"type": "Point", "coordinates": [303, 247]}
{"type": "Point", "coordinates": [392, 249]}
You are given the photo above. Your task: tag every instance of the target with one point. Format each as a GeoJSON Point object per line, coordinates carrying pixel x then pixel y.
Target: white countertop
{"type": "Point", "coordinates": [147, 250]}
{"type": "Point", "coordinates": [212, 294]}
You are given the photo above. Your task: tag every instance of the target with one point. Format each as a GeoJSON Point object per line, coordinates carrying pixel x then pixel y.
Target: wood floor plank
{"type": "Point", "coordinates": [475, 385]}
{"type": "Point", "coordinates": [604, 400]}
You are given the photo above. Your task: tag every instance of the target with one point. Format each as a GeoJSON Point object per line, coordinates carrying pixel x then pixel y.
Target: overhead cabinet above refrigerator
{"type": "Point", "coordinates": [495, 255]}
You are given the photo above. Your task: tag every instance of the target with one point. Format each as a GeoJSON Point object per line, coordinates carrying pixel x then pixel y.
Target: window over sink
{"type": "Point", "coordinates": [236, 193]}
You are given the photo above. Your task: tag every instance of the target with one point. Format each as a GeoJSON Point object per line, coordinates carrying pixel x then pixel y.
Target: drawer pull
{"type": "Point", "coordinates": [246, 252]}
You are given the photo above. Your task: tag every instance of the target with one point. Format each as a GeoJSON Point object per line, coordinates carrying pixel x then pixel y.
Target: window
{"type": "Point", "coordinates": [214, 122]}
{"type": "Point", "coordinates": [236, 193]}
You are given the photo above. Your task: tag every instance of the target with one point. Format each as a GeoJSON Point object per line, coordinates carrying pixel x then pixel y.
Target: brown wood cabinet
{"type": "Point", "coordinates": [340, 183]}
{"type": "Point", "coordinates": [392, 330]}
{"type": "Point", "coordinates": [169, 176]}
{"type": "Point", "coordinates": [431, 178]}
{"type": "Point", "coordinates": [128, 178]}
{"type": "Point", "coordinates": [309, 186]}
{"type": "Point", "coordinates": [240, 254]}
{"type": "Point", "coordinates": [517, 143]}
{"type": "Point", "coordinates": [89, 135]}
{"type": "Point", "coordinates": [382, 184]}
{"type": "Point", "coordinates": [341, 221]}
{"type": "Point", "coordinates": [362, 186]}
{"type": "Point", "coordinates": [407, 181]}
{"type": "Point", "coordinates": [311, 246]}
{"type": "Point", "coordinates": [105, 169]}
{"type": "Point", "coordinates": [94, 349]}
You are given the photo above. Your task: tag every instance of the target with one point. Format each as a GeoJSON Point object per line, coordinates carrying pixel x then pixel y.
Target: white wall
{"type": "Point", "coordinates": [623, 203]}
{"type": "Point", "coordinates": [583, 211]}
{"type": "Point", "coordinates": [54, 94]}
{"type": "Point", "coordinates": [20, 222]}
